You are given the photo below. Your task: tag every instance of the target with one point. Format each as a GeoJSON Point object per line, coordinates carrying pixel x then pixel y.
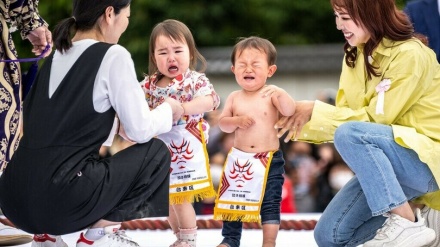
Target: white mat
{"type": "Point", "coordinates": [211, 238]}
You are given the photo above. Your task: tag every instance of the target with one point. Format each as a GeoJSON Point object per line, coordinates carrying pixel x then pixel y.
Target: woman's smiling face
{"type": "Point", "coordinates": [353, 33]}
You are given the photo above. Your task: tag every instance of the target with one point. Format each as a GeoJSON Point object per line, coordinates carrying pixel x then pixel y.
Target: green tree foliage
{"type": "Point", "coordinates": [216, 23]}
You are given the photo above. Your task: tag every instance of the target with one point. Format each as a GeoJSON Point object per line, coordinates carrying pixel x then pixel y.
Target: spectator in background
{"type": "Point", "coordinates": [288, 196]}
{"type": "Point", "coordinates": [301, 168]}
{"type": "Point", "coordinates": [302, 172]}
{"type": "Point", "coordinates": [296, 149]}
{"type": "Point", "coordinates": [327, 154]}
{"type": "Point", "coordinates": [333, 174]}
{"type": "Point", "coordinates": [425, 16]}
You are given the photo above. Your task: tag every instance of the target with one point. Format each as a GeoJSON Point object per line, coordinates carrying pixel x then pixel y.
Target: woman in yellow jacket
{"type": "Point", "coordinates": [384, 125]}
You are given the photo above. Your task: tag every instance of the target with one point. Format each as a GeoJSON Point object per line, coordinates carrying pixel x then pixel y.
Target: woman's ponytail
{"type": "Point", "coordinates": [62, 34]}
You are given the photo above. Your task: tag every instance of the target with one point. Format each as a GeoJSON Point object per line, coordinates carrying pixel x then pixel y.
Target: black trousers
{"type": "Point", "coordinates": [148, 195]}
{"type": "Point", "coordinates": [132, 184]}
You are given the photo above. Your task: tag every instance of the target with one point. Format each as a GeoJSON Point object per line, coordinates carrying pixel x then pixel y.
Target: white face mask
{"type": "Point", "coordinates": [338, 179]}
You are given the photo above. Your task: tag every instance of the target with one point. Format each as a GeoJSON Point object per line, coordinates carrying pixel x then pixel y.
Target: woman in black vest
{"type": "Point", "coordinates": [56, 183]}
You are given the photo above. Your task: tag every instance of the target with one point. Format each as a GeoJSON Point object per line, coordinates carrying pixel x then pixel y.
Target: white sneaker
{"type": "Point", "coordinates": [10, 236]}
{"type": "Point", "coordinates": [432, 220]}
{"type": "Point", "coordinates": [44, 240]}
{"type": "Point", "coordinates": [113, 238]}
{"type": "Point", "coordinates": [398, 231]}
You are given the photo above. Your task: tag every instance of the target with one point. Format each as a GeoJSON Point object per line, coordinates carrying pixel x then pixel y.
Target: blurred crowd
{"type": "Point", "coordinates": [313, 172]}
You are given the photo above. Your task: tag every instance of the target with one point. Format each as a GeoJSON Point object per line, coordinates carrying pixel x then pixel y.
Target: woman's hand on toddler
{"type": "Point", "coordinates": [176, 107]}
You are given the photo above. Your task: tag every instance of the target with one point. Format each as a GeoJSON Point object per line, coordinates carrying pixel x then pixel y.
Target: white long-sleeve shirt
{"type": "Point", "coordinates": [116, 86]}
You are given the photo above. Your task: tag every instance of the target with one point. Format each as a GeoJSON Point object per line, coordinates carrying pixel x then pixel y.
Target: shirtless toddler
{"type": "Point", "coordinates": [252, 179]}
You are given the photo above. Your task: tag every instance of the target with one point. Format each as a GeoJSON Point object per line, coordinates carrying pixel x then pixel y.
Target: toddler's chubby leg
{"type": "Point", "coordinates": [174, 224]}
{"type": "Point", "coordinates": [186, 215]}
{"type": "Point", "coordinates": [270, 233]}
{"type": "Point", "coordinates": [184, 224]}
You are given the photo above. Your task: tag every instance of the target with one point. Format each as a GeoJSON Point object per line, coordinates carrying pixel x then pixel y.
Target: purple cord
{"type": "Point", "coordinates": [25, 60]}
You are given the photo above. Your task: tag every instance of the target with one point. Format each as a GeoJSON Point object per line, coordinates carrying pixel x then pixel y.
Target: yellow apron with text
{"type": "Point", "coordinates": [242, 186]}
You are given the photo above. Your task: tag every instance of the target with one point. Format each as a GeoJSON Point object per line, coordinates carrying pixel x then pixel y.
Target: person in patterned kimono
{"type": "Point", "coordinates": [172, 64]}
{"type": "Point", "coordinates": [23, 16]}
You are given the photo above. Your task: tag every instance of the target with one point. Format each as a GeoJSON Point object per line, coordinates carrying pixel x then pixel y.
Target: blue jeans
{"type": "Point", "coordinates": [270, 207]}
{"type": "Point", "coordinates": [387, 175]}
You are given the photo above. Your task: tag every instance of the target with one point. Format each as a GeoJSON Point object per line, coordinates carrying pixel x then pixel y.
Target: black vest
{"type": "Point", "coordinates": [60, 131]}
